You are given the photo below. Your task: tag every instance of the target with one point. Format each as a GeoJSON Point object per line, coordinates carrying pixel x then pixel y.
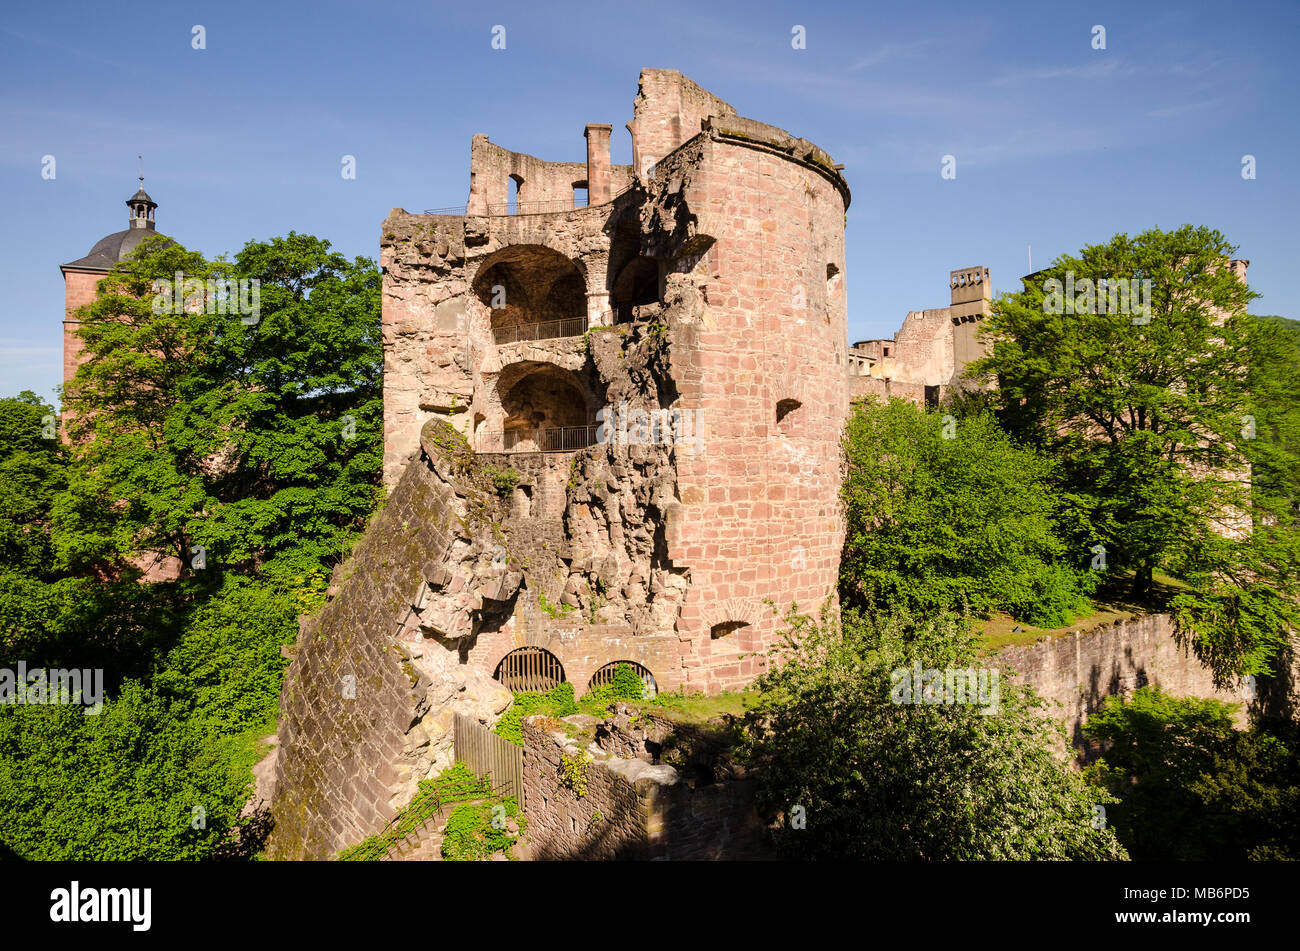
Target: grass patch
{"type": "Point", "coordinates": [477, 830]}
{"type": "Point", "coordinates": [698, 708]}
{"type": "Point", "coordinates": [1111, 604]}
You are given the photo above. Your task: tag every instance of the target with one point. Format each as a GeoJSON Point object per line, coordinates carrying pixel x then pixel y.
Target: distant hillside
{"type": "Point", "coordinates": [1291, 325]}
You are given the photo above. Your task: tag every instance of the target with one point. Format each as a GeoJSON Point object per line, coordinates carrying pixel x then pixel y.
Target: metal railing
{"type": "Point", "coordinates": [548, 439]}
{"type": "Point", "coordinates": [528, 207]}
{"type": "Point", "coordinates": [543, 330]}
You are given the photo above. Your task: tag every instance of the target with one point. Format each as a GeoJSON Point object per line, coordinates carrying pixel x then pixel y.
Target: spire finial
{"type": "Point", "coordinates": [141, 158]}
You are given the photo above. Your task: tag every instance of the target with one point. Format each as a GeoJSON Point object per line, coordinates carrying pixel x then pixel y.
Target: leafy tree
{"type": "Point", "coordinates": [124, 784]}
{"type": "Point", "coordinates": [188, 428]}
{"type": "Point", "coordinates": [944, 512]}
{"type": "Point", "coordinates": [1153, 424]}
{"type": "Point", "coordinates": [1193, 788]}
{"type": "Point", "coordinates": [876, 779]}
{"type": "Point", "coordinates": [255, 436]}
{"type": "Point", "coordinates": [31, 474]}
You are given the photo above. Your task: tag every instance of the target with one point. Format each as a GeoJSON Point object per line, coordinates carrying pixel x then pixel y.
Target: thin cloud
{"type": "Point", "coordinates": [1184, 108]}
{"type": "Point", "coordinates": [1109, 68]}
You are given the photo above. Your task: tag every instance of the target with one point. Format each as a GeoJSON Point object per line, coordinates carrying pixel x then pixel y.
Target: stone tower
{"type": "Point", "coordinates": [725, 240]}
{"type": "Point", "coordinates": [613, 408]}
{"type": "Point", "coordinates": [81, 277]}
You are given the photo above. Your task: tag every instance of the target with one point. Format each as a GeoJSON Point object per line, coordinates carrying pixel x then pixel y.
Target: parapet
{"type": "Point", "coordinates": [971, 291]}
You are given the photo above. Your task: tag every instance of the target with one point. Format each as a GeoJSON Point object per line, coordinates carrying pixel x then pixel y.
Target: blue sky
{"type": "Point", "coordinates": [1056, 144]}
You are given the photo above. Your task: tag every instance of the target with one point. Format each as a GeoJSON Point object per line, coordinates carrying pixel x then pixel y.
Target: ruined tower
{"type": "Point", "coordinates": [724, 240]}
{"type": "Point", "coordinates": [614, 398]}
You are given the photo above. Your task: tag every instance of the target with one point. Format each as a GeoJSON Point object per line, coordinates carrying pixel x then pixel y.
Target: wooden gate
{"type": "Point", "coordinates": [487, 754]}
{"type": "Point", "coordinates": [530, 669]}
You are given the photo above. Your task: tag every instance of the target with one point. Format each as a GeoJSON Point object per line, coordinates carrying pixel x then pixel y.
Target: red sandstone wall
{"type": "Point", "coordinates": [884, 389]}
{"type": "Point", "coordinates": [79, 289]}
{"type": "Point", "coordinates": [761, 512]}
{"type": "Point", "coordinates": [669, 110]}
{"type": "Point", "coordinates": [1079, 670]}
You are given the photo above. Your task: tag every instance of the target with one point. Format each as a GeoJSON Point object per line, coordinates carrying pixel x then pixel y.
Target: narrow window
{"type": "Point", "coordinates": [786, 417]}
{"type": "Point", "coordinates": [512, 195]}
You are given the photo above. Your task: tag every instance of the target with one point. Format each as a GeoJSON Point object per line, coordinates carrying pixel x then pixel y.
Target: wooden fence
{"type": "Point", "coordinates": [487, 754]}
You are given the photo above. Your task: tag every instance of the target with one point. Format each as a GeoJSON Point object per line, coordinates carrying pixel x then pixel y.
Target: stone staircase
{"type": "Point", "coordinates": [424, 842]}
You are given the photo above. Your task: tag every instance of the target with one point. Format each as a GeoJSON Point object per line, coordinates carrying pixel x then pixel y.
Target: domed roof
{"type": "Point", "coordinates": [116, 246]}
{"type": "Point", "coordinates": [111, 249]}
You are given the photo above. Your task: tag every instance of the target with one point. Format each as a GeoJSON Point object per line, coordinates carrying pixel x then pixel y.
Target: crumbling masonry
{"type": "Point", "coordinates": [612, 434]}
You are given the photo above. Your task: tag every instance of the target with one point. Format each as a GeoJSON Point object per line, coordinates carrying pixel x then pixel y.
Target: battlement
{"type": "Point", "coordinates": [971, 291]}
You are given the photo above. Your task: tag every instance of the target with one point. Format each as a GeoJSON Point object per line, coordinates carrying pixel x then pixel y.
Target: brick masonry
{"type": "Point", "coordinates": [632, 809]}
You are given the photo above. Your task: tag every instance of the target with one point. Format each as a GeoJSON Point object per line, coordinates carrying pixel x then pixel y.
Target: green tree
{"type": "Point", "coordinates": [860, 776]}
{"type": "Point", "coordinates": [1191, 787]}
{"type": "Point", "coordinates": [1151, 412]}
{"type": "Point", "coordinates": [257, 437]}
{"type": "Point", "coordinates": [259, 440]}
{"type": "Point", "coordinates": [943, 512]}
{"type": "Point", "coordinates": [32, 463]}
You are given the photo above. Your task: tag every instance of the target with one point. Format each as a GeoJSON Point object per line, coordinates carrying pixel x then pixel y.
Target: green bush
{"type": "Point", "coordinates": [556, 702]}
{"type": "Point", "coordinates": [861, 772]}
{"type": "Point", "coordinates": [946, 513]}
{"type": "Point", "coordinates": [471, 836]}
{"type": "Point", "coordinates": [1191, 786]}
{"type": "Point", "coordinates": [625, 687]}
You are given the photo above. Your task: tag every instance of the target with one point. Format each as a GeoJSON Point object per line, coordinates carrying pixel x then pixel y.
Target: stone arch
{"type": "Point", "coordinates": [730, 615]}
{"type": "Point", "coordinates": [539, 400]}
{"type": "Point", "coordinates": [529, 669]}
{"type": "Point", "coordinates": [532, 291]}
{"type": "Point", "coordinates": [606, 673]}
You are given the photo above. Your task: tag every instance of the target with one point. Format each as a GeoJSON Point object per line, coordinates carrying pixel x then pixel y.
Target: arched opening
{"type": "Point", "coordinates": [834, 282]}
{"type": "Point", "coordinates": [533, 293]}
{"type": "Point", "coordinates": [635, 294]}
{"type": "Point", "coordinates": [605, 675]}
{"type": "Point", "coordinates": [544, 409]}
{"type": "Point", "coordinates": [513, 185]}
{"type": "Point", "coordinates": [580, 194]}
{"type": "Point", "coordinates": [787, 416]}
{"type": "Point", "coordinates": [529, 669]}
{"type": "Point", "coordinates": [726, 628]}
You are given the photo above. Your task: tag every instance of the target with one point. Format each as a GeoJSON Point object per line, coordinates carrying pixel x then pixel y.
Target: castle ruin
{"type": "Point", "coordinates": [612, 435]}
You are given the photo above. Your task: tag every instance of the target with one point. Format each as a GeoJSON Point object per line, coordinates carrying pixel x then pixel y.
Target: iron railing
{"type": "Point", "coordinates": [548, 439]}
{"type": "Point", "coordinates": [543, 330]}
{"type": "Point", "coordinates": [528, 207]}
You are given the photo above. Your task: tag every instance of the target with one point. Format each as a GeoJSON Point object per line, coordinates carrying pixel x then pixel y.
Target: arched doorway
{"type": "Point", "coordinates": [529, 669]}
{"type": "Point", "coordinates": [544, 409]}
{"type": "Point", "coordinates": [533, 293]}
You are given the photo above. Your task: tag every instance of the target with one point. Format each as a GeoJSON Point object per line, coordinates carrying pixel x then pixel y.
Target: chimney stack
{"type": "Point", "coordinates": [598, 177]}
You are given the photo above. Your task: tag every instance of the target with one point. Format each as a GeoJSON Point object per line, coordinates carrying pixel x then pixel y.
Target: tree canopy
{"type": "Point", "coordinates": [1154, 412]}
